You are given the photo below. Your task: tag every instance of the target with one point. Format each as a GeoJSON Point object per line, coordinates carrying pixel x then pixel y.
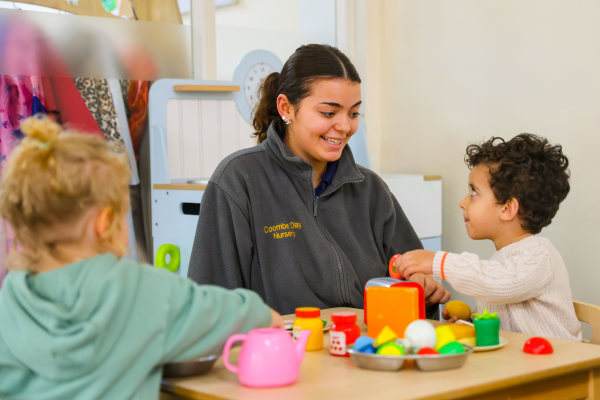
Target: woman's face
{"type": "Point", "coordinates": [324, 121]}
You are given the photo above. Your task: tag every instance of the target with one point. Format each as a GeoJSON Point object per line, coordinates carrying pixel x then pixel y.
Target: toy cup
{"type": "Point", "coordinates": [487, 329]}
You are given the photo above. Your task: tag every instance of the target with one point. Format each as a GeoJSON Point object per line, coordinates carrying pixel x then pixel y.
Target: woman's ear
{"type": "Point", "coordinates": [284, 107]}
{"type": "Point", "coordinates": [102, 221]}
{"type": "Point", "coordinates": [510, 209]}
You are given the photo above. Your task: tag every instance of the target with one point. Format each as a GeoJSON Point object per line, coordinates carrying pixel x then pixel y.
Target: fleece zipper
{"type": "Point", "coordinates": [340, 268]}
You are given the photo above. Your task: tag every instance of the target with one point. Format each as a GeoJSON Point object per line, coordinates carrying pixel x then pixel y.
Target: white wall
{"type": "Point", "coordinates": [275, 25]}
{"type": "Point", "coordinates": [461, 71]}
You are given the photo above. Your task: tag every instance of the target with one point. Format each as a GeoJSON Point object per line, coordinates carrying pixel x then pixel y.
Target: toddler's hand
{"type": "Point", "coordinates": [415, 261]}
{"type": "Point", "coordinates": [446, 316]}
{"type": "Point", "coordinates": [276, 320]}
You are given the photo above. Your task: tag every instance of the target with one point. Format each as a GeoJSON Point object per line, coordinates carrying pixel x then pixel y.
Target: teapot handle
{"type": "Point", "coordinates": [232, 339]}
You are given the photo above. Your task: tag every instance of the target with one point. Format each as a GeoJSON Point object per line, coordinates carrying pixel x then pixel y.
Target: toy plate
{"type": "Point", "coordinates": [503, 342]}
{"type": "Point", "coordinates": [287, 324]}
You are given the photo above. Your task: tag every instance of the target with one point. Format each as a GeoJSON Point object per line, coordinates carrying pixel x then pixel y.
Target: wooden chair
{"type": "Point", "coordinates": [590, 314]}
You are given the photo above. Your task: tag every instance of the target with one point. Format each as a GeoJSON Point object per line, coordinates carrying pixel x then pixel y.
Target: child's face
{"type": "Point", "coordinates": [481, 210]}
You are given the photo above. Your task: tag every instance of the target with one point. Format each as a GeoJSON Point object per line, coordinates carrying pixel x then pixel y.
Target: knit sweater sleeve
{"type": "Point", "coordinates": [505, 280]}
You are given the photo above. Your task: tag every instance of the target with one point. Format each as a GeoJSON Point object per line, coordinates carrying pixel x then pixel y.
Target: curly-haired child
{"type": "Point", "coordinates": [76, 320]}
{"type": "Point", "coordinates": [515, 188]}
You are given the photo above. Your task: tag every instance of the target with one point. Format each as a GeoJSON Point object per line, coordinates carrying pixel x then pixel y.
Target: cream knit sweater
{"type": "Point", "coordinates": [526, 283]}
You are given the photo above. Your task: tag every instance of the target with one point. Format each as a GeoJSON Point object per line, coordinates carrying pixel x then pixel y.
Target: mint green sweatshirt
{"type": "Point", "coordinates": [102, 328]}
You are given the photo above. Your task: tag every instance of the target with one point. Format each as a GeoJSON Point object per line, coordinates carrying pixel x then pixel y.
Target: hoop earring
{"type": "Point", "coordinates": [286, 120]}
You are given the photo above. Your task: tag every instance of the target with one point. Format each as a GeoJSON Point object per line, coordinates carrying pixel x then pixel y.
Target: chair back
{"type": "Point", "coordinates": [590, 314]}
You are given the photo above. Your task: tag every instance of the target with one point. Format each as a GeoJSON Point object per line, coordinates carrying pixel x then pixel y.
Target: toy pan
{"type": "Point", "coordinates": [433, 362]}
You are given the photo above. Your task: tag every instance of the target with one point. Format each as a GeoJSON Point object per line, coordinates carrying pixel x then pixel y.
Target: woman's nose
{"type": "Point", "coordinates": [344, 124]}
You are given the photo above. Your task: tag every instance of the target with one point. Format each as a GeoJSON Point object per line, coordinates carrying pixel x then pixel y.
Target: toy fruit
{"type": "Point", "coordinates": [391, 349]}
{"type": "Point", "coordinates": [452, 348]}
{"type": "Point", "coordinates": [420, 333]}
{"type": "Point", "coordinates": [458, 309]}
{"type": "Point", "coordinates": [444, 336]}
{"type": "Point", "coordinates": [423, 351]}
{"type": "Point", "coordinates": [537, 345]}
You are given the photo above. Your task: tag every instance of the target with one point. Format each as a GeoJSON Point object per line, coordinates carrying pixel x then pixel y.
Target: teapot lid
{"type": "Point", "coordinates": [308, 312]}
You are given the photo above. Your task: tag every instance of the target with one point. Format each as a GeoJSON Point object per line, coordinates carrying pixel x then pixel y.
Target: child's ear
{"type": "Point", "coordinates": [102, 221]}
{"type": "Point", "coordinates": [510, 209]}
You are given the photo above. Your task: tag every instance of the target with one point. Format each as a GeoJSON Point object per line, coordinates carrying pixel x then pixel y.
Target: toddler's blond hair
{"type": "Point", "coordinates": [50, 180]}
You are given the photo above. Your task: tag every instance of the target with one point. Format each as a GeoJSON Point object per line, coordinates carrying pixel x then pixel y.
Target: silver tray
{"type": "Point", "coordinates": [433, 362]}
{"type": "Point", "coordinates": [197, 366]}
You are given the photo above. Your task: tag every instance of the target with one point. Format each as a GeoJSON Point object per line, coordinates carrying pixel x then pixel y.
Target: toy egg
{"type": "Point", "coordinates": [420, 333]}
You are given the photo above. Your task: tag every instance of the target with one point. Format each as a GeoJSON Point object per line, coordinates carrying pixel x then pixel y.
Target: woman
{"type": "Point", "coordinates": [295, 218]}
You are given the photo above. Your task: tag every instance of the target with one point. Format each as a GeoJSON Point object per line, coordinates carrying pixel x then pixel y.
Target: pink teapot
{"type": "Point", "coordinates": [269, 357]}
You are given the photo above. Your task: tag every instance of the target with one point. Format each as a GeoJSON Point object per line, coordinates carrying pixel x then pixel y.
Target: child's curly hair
{"type": "Point", "coordinates": [51, 179]}
{"type": "Point", "coordinates": [528, 169]}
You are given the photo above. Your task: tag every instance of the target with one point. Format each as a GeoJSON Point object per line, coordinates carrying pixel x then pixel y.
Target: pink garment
{"type": "Point", "coordinates": [19, 96]}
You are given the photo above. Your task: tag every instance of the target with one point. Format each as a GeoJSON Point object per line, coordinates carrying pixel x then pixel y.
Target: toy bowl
{"type": "Point", "coordinates": [433, 362]}
{"type": "Point", "coordinates": [197, 366]}
{"type": "Point", "coordinates": [376, 361]}
{"type": "Point", "coordinates": [438, 362]}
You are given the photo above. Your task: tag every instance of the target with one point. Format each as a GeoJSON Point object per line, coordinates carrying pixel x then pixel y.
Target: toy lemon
{"type": "Point", "coordinates": [458, 309]}
{"type": "Point", "coordinates": [444, 336]}
{"type": "Point", "coordinates": [391, 349]}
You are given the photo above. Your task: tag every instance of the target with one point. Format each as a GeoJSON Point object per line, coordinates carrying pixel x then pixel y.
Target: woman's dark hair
{"type": "Point", "coordinates": [308, 64]}
{"type": "Point", "coordinates": [528, 169]}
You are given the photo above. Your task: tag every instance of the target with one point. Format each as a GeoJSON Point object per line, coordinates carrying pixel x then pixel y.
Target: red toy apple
{"type": "Point", "coordinates": [537, 345]}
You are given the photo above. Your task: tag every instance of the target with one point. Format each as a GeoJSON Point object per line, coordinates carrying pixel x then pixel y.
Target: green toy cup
{"type": "Point", "coordinates": [487, 331]}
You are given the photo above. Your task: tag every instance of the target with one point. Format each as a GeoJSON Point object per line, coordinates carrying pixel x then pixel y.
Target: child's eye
{"type": "Point", "coordinates": [473, 192]}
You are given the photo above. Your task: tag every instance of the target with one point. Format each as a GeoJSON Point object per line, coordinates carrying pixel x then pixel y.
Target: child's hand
{"type": "Point", "coordinates": [276, 320]}
{"type": "Point", "coordinates": [446, 316]}
{"type": "Point", "coordinates": [416, 261]}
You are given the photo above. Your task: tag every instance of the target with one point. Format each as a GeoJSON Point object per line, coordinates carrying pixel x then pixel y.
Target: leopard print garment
{"type": "Point", "coordinates": [98, 99]}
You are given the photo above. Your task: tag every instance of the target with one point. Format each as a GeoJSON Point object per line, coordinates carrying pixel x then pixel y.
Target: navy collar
{"type": "Point", "coordinates": [327, 177]}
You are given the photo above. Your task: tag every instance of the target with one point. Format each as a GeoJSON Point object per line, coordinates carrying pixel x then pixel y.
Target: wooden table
{"type": "Point", "coordinates": [571, 372]}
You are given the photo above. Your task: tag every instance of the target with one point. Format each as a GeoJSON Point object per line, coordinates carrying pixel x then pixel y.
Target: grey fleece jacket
{"type": "Point", "coordinates": [261, 227]}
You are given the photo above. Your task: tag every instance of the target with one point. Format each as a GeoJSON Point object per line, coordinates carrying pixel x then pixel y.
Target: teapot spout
{"type": "Point", "coordinates": [301, 344]}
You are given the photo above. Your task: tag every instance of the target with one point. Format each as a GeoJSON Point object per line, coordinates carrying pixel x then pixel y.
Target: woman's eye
{"type": "Point", "coordinates": [328, 114]}
{"type": "Point", "coordinates": [355, 115]}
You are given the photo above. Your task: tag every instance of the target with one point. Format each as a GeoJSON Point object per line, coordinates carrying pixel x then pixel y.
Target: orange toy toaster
{"type": "Point", "coordinates": [392, 302]}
